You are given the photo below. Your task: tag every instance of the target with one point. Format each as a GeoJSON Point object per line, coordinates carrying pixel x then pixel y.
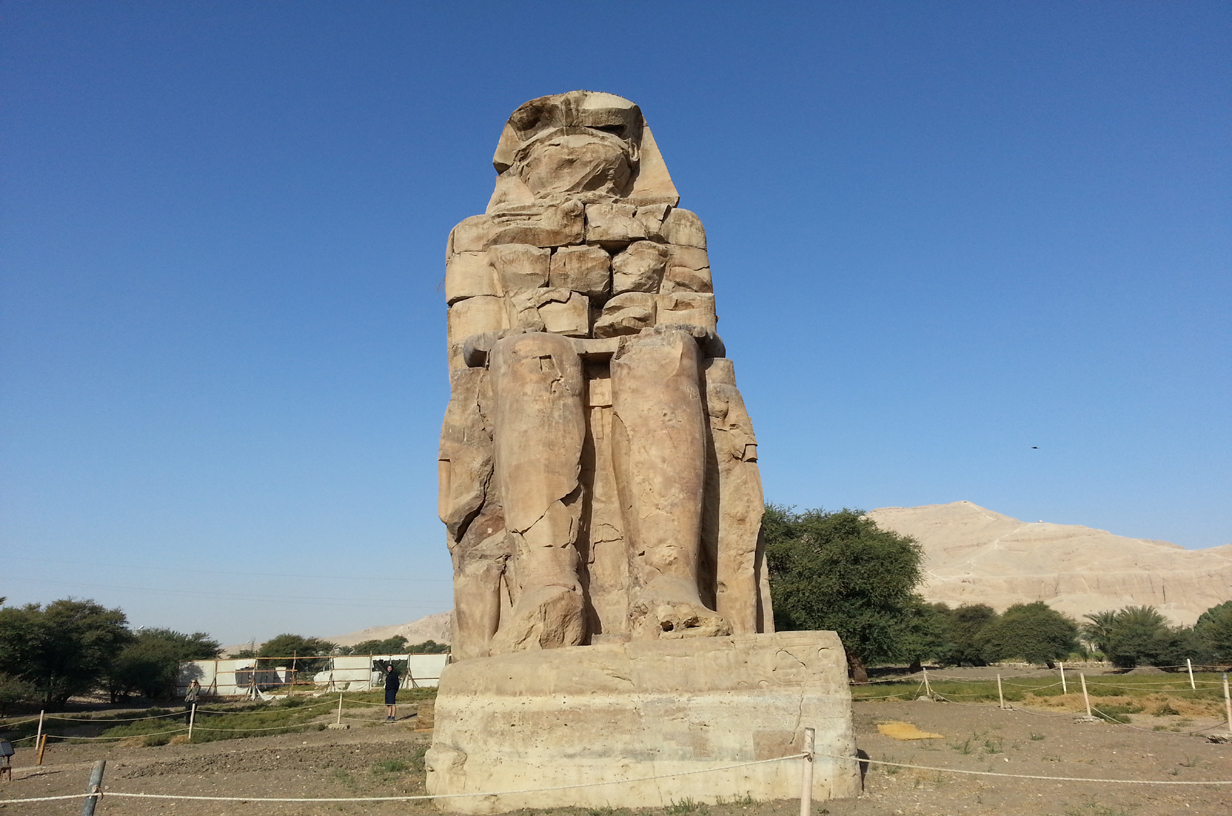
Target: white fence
{"type": "Point", "coordinates": [238, 677]}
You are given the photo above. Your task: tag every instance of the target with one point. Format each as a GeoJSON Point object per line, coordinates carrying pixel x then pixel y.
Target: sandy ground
{"type": "Point", "coordinates": [373, 759]}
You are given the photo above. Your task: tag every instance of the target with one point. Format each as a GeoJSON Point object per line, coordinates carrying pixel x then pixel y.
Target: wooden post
{"type": "Point", "coordinates": [1000, 696]}
{"type": "Point", "coordinates": [42, 746]}
{"type": "Point", "coordinates": [928, 689]}
{"type": "Point", "coordinates": [1085, 698]}
{"type": "Point", "coordinates": [1064, 688]}
{"type": "Point", "coordinates": [1227, 701]}
{"type": "Point", "coordinates": [340, 708]}
{"type": "Point", "coordinates": [192, 718]}
{"type": "Point", "coordinates": [806, 774]}
{"type": "Point", "coordinates": [1189, 665]}
{"type": "Point", "coordinates": [95, 788]}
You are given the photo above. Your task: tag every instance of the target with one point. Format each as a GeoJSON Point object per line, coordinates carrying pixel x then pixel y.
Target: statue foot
{"type": "Point", "coordinates": [546, 617]}
{"type": "Point", "coordinates": [670, 609]}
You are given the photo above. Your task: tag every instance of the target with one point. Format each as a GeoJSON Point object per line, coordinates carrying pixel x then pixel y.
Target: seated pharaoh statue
{"type": "Point", "coordinates": [598, 469]}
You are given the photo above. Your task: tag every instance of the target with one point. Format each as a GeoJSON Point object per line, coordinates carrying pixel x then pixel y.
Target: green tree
{"type": "Point", "coordinates": [839, 571]}
{"type": "Point", "coordinates": [1137, 635]}
{"type": "Point", "coordinates": [389, 646]}
{"type": "Point", "coordinates": [1034, 632]}
{"type": "Point", "coordinates": [62, 649]}
{"type": "Point", "coordinates": [14, 690]}
{"type": "Point", "coordinates": [926, 630]}
{"type": "Point", "coordinates": [966, 623]}
{"type": "Point", "coordinates": [1140, 635]}
{"type": "Point", "coordinates": [307, 653]}
{"type": "Point", "coordinates": [150, 664]}
{"type": "Point", "coordinates": [1214, 627]}
{"type": "Point", "coordinates": [428, 647]}
{"type": "Point", "coordinates": [1097, 630]}
{"type": "Point", "coordinates": [1176, 644]}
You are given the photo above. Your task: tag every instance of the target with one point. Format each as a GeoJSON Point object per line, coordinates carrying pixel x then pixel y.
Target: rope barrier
{"type": "Point", "coordinates": [1045, 778]}
{"type": "Point", "coordinates": [117, 739]}
{"type": "Point", "coordinates": [4, 724]}
{"type": "Point", "coordinates": [323, 704]}
{"type": "Point", "coordinates": [1106, 717]}
{"type": "Point", "coordinates": [102, 720]}
{"type": "Point", "coordinates": [52, 798]}
{"type": "Point", "coordinates": [270, 728]}
{"type": "Point", "coordinates": [962, 771]}
{"type": "Point", "coordinates": [421, 797]}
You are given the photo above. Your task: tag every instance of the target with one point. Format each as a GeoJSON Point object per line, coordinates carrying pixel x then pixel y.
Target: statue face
{"type": "Point", "coordinates": [577, 159]}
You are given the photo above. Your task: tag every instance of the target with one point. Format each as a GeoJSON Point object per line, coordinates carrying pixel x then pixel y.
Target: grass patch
{"type": "Point", "coordinates": [390, 766]}
{"type": "Point", "coordinates": [1116, 713]}
{"type": "Point", "coordinates": [1160, 692]}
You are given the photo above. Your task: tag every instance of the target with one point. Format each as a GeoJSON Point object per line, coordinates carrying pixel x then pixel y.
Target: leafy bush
{"type": "Point", "coordinates": [1034, 632]}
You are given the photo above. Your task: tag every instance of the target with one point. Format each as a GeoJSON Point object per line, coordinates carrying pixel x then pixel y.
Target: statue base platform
{"type": "Point", "coordinates": [655, 722]}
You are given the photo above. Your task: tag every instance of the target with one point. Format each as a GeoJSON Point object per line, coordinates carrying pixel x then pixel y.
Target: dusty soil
{"type": "Point", "coordinates": [373, 759]}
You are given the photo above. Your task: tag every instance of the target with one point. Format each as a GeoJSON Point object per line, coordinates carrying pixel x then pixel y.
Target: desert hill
{"type": "Point", "coordinates": [974, 555]}
{"type": "Point", "coordinates": [434, 627]}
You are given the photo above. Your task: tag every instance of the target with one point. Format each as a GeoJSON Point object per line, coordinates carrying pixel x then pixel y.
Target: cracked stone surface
{"type": "Point", "coordinates": [631, 710]}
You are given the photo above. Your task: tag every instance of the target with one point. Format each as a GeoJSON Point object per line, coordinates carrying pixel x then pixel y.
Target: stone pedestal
{"type": "Point", "coordinates": [614, 713]}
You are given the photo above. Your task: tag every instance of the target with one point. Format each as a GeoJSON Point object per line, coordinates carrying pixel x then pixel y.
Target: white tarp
{"type": "Point", "coordinates": [235, 677]}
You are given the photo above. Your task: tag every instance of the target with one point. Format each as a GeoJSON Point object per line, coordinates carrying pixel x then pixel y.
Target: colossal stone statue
{"type": "Point", "coordinates": [598, 470]}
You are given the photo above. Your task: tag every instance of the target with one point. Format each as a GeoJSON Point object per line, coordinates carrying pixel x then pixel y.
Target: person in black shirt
{"type": "Point", "coordinates": [392, 679]}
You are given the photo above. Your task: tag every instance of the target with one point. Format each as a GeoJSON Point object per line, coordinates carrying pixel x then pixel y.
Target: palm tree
{"type": "Point", "coordinates": [1097, 631]}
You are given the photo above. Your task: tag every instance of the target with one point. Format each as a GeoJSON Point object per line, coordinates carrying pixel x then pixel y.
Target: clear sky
{"type": "Point", "coordinates": [961, 250]}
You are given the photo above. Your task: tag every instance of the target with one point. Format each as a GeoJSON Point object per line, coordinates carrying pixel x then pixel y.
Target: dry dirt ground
{"type": "Point", "coordinates": [373, 759]}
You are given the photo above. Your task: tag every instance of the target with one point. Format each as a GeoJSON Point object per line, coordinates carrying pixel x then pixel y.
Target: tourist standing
{"type": "Point", "coordinates": [392, 679]}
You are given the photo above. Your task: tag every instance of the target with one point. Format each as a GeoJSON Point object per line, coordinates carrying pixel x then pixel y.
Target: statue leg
{"type": "Point", "coordinates": [540, 426]}
{"type": "Point", "coordinates": [472, 514]}
{"type": "Point", "coordinates": [659, 448]}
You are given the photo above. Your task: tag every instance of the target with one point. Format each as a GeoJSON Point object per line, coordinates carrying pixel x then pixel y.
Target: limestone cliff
{"type": "Point", "coordinates": [974, 555]}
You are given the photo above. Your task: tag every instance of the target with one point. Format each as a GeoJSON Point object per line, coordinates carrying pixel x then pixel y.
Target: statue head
{"type": "Point", "coordinates": [579, 144]}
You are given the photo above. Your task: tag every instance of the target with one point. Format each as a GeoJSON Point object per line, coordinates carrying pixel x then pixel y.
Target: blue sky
{"type": "Point", "coordinates": [942, 234]}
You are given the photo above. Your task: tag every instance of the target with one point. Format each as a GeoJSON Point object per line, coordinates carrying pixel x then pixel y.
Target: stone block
{"type": "Point", "coordinates": [652, 217]}
{"type": "Point", "coordinates": [468, 274]}
{"type": "Point", "coordinates": [585, 269]}
{"type": "Point", "coordinates": [550, 225]}
{"type": "Point", "coordinates": [685, 228]}
{"type": "Point", "coordinates": [639, 268]}
{"type": "Point", "coordinates": [520, 266]}
{"type": "Point", "coordinates": [613, 225]}
{"type": "Point", "coordinates": [565, 312]}
{"type": "Point", "coordinates": [626, 314]}
{"type": "Point", "coordinates": [470, 235]}
{"type": "Point", "coordinates": [684, 279]}
{"type": "Point", "coordinates": [620, 712]}
{"type": "Point", "coordinates": [686, 309]}
{"type": "Point", "coordinates": [690, 256]}
{"type": "Point", "coordinates": [474, 316]}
